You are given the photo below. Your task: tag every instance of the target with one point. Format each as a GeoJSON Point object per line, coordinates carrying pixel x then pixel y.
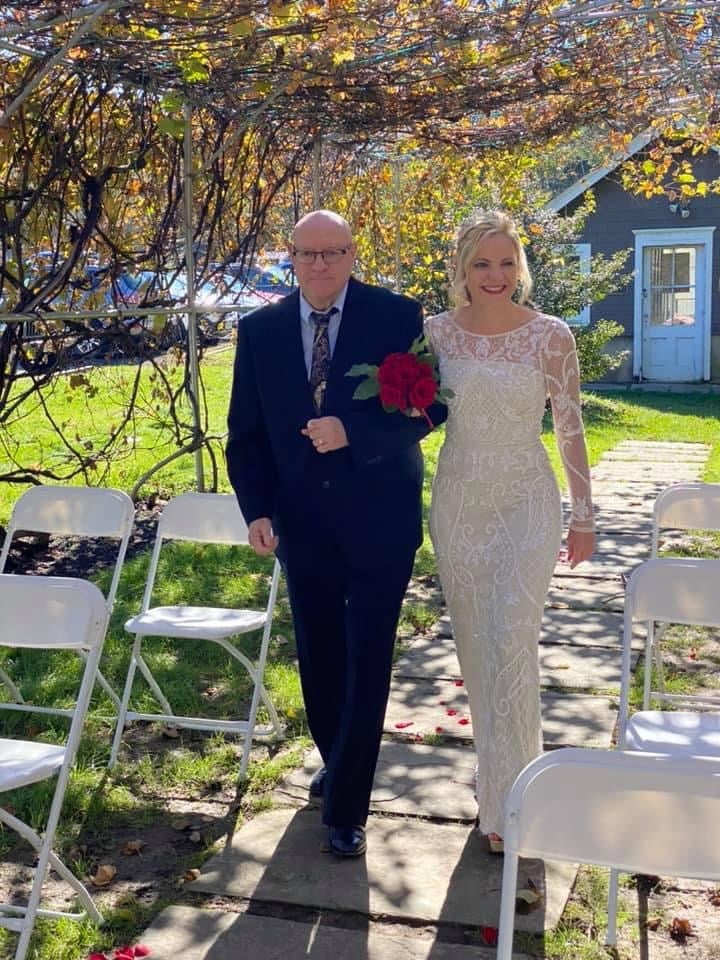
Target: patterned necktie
{"type": "Point", "coordinates": [320, 364]}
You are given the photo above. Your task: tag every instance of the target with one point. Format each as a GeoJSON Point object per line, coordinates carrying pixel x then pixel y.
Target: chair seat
{"type": "Point", "coordinates": [195, 622]}
{"type": "Point", "coordinates": [23, 762]}
{"type": "Point", "coordinates": [677, 732]}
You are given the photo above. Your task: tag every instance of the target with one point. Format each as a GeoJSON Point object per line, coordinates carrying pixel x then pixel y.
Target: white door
{"type": "Point", "coordinates": [673, 311]}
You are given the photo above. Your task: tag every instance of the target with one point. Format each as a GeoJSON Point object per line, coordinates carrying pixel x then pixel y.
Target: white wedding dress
{"type": "Point", "coordinates": [495, 523]}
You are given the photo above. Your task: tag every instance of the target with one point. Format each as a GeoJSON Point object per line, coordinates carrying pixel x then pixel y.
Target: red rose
{"type": "Point", "coordinates": [398, 369]}
{"type": "Point", "coordinates": [392, 396]}
{"type": "Point", "coordinates": [422, 392]}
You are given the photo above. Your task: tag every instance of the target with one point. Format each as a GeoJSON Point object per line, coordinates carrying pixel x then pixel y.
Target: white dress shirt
{"type": "Point", "coordinates": [307, 326]}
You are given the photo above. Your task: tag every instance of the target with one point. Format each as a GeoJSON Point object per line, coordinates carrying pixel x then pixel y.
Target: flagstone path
{"type": "Point", "coordinates": [428, 887]}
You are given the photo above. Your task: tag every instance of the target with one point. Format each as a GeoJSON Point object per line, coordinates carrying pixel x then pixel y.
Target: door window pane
{"type": "Point", "coordinates": [672, 286]}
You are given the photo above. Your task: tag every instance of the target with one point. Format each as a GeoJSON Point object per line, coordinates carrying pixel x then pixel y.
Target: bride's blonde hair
{"type": "Point", "coordinates": [472, 232]}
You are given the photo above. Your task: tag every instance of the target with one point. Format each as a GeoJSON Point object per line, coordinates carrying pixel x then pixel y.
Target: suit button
{"type": "Point", "coordinates": [325, 484]}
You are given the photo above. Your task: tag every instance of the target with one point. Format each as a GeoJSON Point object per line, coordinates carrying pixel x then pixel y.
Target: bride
{"type": "Point", "coordinates": [495, 518]}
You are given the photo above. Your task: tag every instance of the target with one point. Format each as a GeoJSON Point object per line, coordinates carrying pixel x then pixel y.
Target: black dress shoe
{"type": "Point", "coordinates": [317, 783]}
{"type": "Point", "coordinates": [347, 841]}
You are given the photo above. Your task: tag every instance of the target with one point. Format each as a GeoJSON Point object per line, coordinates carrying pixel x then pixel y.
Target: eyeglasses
{"type": "Point", "coordinates": [328, 256]}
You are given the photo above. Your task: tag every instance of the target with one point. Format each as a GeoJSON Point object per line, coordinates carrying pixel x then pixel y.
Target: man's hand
{"type": "Point", "coordinates": [261, 536]}
{"type": "Point", "coordinates": [326, 434]}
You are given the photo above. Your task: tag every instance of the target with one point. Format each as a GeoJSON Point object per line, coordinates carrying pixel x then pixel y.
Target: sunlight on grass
{"type": "Point", "coordinates": [198, 677]}
{"type": "Point", "coordinates": [609, 418]}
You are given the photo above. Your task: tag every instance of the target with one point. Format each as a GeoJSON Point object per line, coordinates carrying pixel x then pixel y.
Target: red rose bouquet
{"type": "Point", "coordinates": [408, 382]}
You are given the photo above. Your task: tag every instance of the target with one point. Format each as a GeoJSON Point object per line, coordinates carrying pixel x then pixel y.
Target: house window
{"type": "Point", "coordinates": [579, 253]}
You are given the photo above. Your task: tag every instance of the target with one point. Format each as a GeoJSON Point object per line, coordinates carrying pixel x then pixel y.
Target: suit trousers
{"type": "Point", "coordinates": [345, 622]}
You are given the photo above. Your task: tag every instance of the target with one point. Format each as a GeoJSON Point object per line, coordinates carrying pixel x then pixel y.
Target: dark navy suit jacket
{"type": "Point", "coordinates": [365, 498]}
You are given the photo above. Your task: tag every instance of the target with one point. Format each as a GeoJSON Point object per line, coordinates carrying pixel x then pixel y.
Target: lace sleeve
{"type": "Point", "coordinates": [563, 382]}
{"type": "Point", "coordinates": [430, 333]}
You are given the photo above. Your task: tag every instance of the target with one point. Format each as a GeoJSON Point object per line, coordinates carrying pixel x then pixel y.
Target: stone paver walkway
{"type": "Point", "coordinates": [428, 886]}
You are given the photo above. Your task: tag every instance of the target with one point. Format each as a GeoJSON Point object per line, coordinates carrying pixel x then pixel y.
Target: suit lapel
{"type": "Point", "coordinates": [291, 373]}
{"type": "Point", "coordinates": [348, 346]}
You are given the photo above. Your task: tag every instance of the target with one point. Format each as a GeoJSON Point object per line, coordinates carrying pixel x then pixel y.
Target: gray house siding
{"type": "Point", "coordinates": [610, 228]}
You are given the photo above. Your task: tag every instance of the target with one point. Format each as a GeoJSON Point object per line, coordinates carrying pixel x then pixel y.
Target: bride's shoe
{"type": "Point", "coordinates": [495, 843]}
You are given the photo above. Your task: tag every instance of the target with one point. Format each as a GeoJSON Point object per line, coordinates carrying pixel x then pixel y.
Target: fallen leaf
{"type": "Point", "coordinates": [653, 923]}
{"type": "Point", "coordinates": [527, 899]}
{"type": "Point", "coordinates": [714, 897]}
{"type": "Point", "coordinates": [172, 733]}
{"type": "Point", "coordinates": [195, 836]}
{"type": "Point", "coordinates": [104, 875]}
{"type": "Point", "coordinates": [133, 847]}
{"type": "Point", "coordinates": [681, 929]}
{"type": "Point", "coordinates": [693, 654]}
{"type": "Point", "coordinates": [191, 875]}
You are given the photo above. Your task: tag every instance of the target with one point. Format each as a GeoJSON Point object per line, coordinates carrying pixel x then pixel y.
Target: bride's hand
{"type": "Point", "coordinates": [580, 546]}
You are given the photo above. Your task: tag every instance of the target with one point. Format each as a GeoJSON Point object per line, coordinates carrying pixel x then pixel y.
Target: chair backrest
{"type": "Point", "coordinates": [51, 612]}
{"type": "Point", "coordinates": [666, 590]}
{"type": "Point", "coordinates": [74, 512]}
{"type": "Point", "coordinates": [203, 518]}
{"type": "Point", "coordinates": [198, 517]}
{"type": "Point", "coordinates": [644, 813]}
{"type": "Point", "coordinates": [674, 590]}
{"type": "Point", "coordinates": [686, 506]}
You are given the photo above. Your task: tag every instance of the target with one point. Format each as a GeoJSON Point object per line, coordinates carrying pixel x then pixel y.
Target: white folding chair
{"type": "Point", "coordinates": [672, 591]}
{"type": "Point", "coordinates": [682, 506]}
{"type": "Point", "coordinates": [608, 808]}
{"type": "Point", "coordinates": [686, 506]}
{"type": "Point", "coordinates": [88, 512]}
{"type": "Point", "coordinates": [48, 613]}
{"type": "Point", "coordinates": [209, 518]}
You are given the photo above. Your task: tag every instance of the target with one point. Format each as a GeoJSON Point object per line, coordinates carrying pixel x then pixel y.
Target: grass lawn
{"type": "Point", "coordinates": [178, 793]}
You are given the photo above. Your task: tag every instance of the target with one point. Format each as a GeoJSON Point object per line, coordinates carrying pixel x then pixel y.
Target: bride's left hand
{"type": "Point", "coordinates": [580, 546]}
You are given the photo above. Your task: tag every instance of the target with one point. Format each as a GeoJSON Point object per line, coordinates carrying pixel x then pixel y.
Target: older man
{"type": "Point", "coordinates": [333, 485]}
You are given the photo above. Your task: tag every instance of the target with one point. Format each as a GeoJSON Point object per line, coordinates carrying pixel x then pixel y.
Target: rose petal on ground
{"type": "Point", "coordinates": [489, 936]}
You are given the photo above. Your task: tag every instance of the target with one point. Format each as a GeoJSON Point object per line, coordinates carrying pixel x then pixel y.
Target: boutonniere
{"type": "Point", "coordinates": [408, 382]}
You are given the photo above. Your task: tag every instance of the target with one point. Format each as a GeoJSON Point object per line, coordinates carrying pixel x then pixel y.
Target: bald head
{"type": "Point", "coordinates": [323, 220]}
{"type": "Point", "coordinates": [321, 278]}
